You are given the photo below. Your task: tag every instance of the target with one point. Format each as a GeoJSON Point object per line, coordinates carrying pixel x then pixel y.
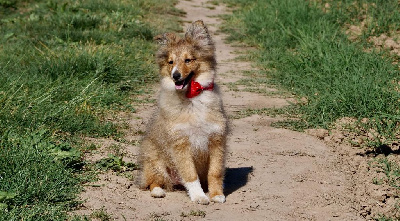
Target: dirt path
{"type": "Point", "coordinates": [273, 174]}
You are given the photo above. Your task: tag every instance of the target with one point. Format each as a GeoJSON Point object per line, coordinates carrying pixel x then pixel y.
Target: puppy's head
{"type": "Point", "coordinates": [182, 60]}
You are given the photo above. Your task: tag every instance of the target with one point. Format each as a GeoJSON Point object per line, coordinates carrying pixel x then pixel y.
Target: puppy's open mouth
{"type": "Point", "coordinates": [179, 85]}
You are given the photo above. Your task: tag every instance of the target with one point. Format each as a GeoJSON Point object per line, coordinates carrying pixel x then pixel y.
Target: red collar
{"type": "Point", "coordinates": [195, 89]}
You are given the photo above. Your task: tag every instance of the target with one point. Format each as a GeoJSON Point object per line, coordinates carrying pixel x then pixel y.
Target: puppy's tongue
{"type": "Point", "coordinates": [178, 87]}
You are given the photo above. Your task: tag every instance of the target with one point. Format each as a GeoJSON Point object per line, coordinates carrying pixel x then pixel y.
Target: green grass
{"type": "Point", "coordinates": [376, 17]}
{"type": "Point", "coordinates": [43, 188]}
{"type": "Point", "coordinates": [64, 65]}
{"type": "Point", "coordinates": [304, 50]}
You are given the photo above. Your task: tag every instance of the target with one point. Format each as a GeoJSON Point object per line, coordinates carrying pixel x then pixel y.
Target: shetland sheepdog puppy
{"type": "Point", "coordinates": [186, 139]}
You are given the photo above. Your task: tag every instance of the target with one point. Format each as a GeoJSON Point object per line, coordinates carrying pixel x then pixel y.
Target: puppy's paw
{"type": "Point", "coordinates": [196, 193]}
{"type": "Point", "coordinates": [200, 199]}
{"type": "Point", "coordinates": [157, 192]}
{"type": "Point", "coordinates": [218, 199]}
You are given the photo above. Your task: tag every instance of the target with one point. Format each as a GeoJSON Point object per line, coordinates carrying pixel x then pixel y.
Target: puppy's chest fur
{"type": "Point", "coordinates": [197, 119]}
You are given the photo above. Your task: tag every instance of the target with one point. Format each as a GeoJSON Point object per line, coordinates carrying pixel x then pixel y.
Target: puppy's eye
{"type": "Point", "coordinates": [189, 60]}
{"type": "Point", "coordinates": [170, 62]}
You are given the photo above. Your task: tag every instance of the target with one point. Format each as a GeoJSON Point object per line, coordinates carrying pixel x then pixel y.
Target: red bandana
{"type": "Point", "coordinates": [195, 89]}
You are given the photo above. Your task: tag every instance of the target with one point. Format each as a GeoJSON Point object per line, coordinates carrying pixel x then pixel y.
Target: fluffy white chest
{"type": "Point", "coordinates": [196, 126]}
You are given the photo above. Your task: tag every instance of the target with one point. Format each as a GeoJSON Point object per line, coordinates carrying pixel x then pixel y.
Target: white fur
{"type": "Point", "coordinates": [174, 70]}
{"type": "Point", "coordinates": [157, 192]}
{"type": "Point", "coordinates": [168, 84]}
{"type": "Point", "coordinates": [218, 199]}
{"type": "Point", "coordinates": [206, 78]}
{"type": "Point", "coordinates": [198, 129]}
{"type": "Point", "coordinates": [196, 193]}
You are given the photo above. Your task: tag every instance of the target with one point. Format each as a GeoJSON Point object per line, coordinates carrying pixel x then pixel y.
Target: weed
{"type": "Point", "coordinates": [384, 129]}
{"type": "Point", "coordinates": [199, 213]}
{"type": "Point", "coordinates": [101, 214]}
{"type": "Point", "coordinates": [213, 2]}
{"type": "Point", "coordinates": [390, 169]}
{"type": "Point", "coordinates": [159, 216]}
{"type": "Point", "coordinates": [4, 197]}
{"type": "Point", "coordinates": [115, 163]}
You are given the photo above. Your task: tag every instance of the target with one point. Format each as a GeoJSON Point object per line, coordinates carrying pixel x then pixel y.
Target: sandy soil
{"type": "Point", "coordinates": [272, 174]}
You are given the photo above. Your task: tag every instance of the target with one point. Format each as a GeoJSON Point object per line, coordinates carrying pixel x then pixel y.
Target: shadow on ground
{"type": "Point", "coordinates": [235, 178]}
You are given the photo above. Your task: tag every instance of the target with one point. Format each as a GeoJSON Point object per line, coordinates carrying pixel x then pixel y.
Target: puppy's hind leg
{"type": "Point", "coordinates": [156, 191]}
{"type": "Point", "coordinates": [152, 176]}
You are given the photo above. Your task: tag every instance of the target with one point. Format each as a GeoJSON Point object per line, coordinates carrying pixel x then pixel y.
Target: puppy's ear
{"type": "Point", "coordinates": [198, 32]}
{"type": "Point", "coordinates": [165, 39]}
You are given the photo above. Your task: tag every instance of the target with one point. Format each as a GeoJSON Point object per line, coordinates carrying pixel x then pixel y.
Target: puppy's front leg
{"type": "Point", "coordinates": [216, 168]}
{"type": "Point", "coordinates": [187, 170]}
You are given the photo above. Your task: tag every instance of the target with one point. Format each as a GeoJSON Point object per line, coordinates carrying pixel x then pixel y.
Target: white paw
{"type": "Point", "coordinates": [200, 199]}
{"type": "Point", "coordinates": [157, 192]}
{"type": "Point", "coordinates": [196, 193]}
{"type": "Point", "coordinates": [218, 199]}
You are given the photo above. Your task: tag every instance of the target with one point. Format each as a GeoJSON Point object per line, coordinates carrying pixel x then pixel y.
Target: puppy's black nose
{"type": "Point", "coordinates": [176, 76]}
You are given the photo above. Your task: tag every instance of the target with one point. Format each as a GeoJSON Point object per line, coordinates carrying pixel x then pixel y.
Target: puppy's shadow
{"type": "Point", "coordinates": [235, 178]}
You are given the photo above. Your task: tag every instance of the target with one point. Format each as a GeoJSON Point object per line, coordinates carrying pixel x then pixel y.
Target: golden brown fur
{"type": "Point", "coordinates": [185, 141]}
